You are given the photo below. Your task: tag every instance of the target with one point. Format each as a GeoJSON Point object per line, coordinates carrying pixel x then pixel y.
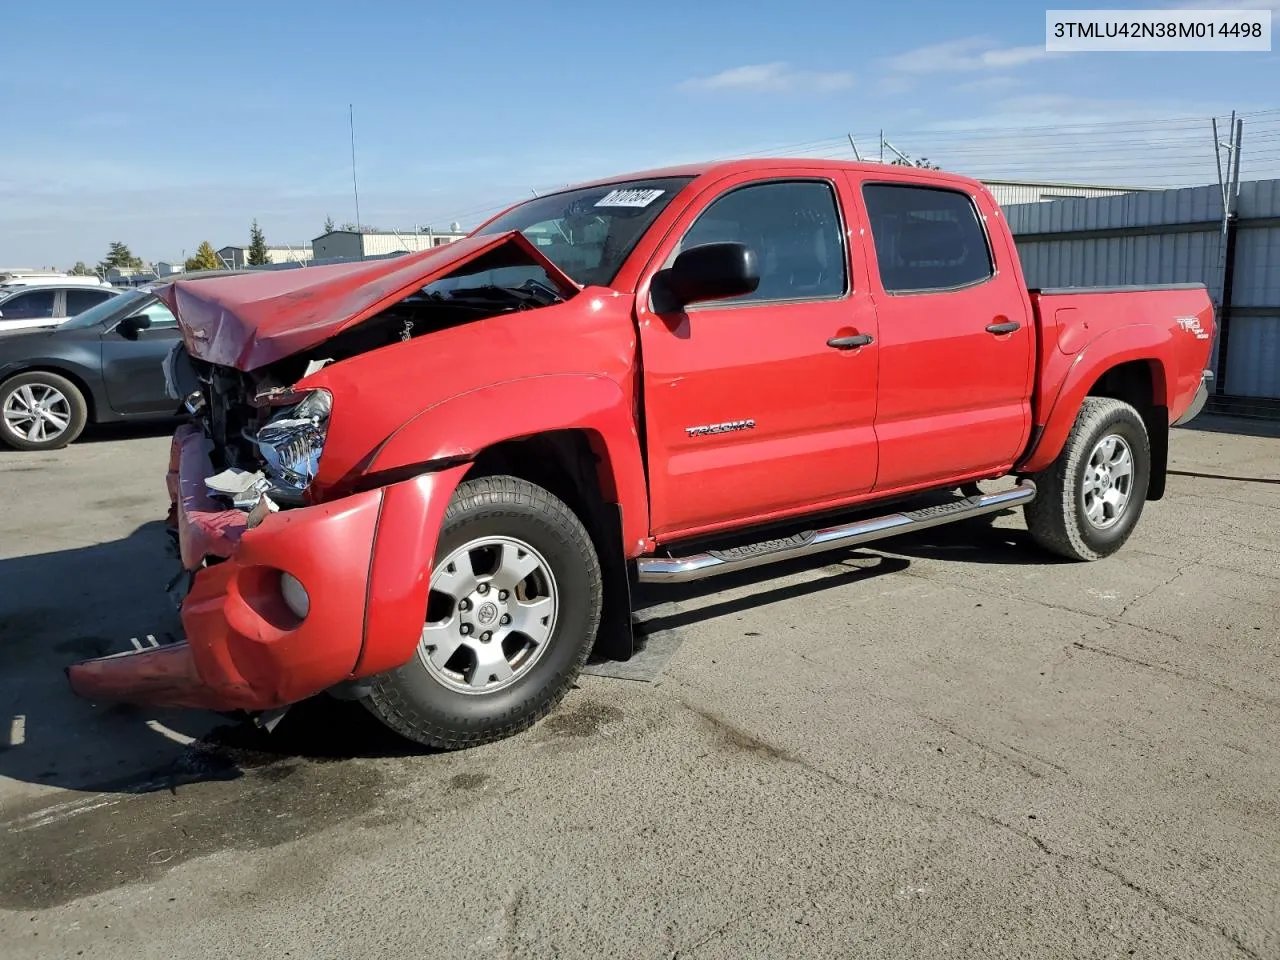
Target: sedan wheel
{"type": "Point", "coordinates": [37, 412]}
{"type": "Point", "coordinates": [40, 411]}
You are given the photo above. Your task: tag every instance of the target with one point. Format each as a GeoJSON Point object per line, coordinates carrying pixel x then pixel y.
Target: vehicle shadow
{"type": "Point", "coordinates": [129, 430]}
{"type": "Point", "coordinates": [835, 569]}
{"type": "Point", "coordinates": [1241, 426]}
{"type": "Point", "coordinates": [64, 606]}
{"type": "Point", "coordinates": [972, 541]}
{"type": "Point", "coordinates": [1222, 476]}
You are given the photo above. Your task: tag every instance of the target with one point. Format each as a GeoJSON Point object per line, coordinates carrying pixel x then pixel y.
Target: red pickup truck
{"type": "Point", "coordinates": [428, 482]}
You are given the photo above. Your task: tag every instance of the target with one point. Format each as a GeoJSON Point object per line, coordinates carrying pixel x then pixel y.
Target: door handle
{"type": "Point", "coordinates": [851, 342]}
{"type": "Point", "coordinates": [998, 328]}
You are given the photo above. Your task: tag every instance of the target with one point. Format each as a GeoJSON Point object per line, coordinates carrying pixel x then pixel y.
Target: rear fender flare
{"type": "Point", "coordinates": [1138, 342]}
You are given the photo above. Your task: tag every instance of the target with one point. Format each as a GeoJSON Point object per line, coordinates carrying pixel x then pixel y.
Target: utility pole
{"type": "Point", "coordinates": [351, 122]}
{"type": "Point", "coordinates": [1229, 185]}
{"type": "Point", "coordinates": [854, 147]}
{"type": "Point", "coordinates": [885, 143]}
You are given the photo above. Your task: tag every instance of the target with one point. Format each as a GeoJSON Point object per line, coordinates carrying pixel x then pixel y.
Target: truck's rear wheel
{"type": "Point", "coordinates": [512, 613]}
{"type": "Point", "coordinates": [1090, 498]}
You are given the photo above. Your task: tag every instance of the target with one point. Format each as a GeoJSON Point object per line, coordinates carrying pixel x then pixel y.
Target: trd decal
{"type": "Point", "coordinates": [1192, 325]}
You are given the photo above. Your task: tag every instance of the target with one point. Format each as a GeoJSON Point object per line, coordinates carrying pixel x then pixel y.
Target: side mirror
{"type": "Point", "coordinates": [130, 327]}
{"type": "Point", "coordinates": [710, 271]}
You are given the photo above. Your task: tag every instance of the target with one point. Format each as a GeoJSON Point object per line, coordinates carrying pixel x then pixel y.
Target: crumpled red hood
{"type": "Point", "coordinates": [249, 320]}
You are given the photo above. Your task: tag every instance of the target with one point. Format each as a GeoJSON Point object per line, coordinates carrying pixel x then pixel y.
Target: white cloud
{"type": "Point", "coordinates": [965, 55]}
{"type": "Point", "coordinates": [776, 77]}
{"type": "Point", "coordinates": [991, 84]}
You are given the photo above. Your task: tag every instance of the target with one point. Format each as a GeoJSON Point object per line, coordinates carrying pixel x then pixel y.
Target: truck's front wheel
{"type": "Point", "coordinates": [511, 616]}
{"type": "Point", "coordinates": [1090, 498]}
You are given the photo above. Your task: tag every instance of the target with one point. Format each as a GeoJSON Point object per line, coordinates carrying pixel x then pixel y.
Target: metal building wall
{"type": "Point", "coordinates": [1008, 192]}
{"type": "Point", "coordinates": [336, 245]}
{"type": "Point", "coordinates": [1172, 236]}
{"type": "Point", "coordinates": [381, 243]}
{"type": "Point", "coordinates": [1253, 347]}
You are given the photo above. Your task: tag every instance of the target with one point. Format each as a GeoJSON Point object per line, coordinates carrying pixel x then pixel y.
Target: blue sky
{"type": "Point", "coordinates": [176, 123]}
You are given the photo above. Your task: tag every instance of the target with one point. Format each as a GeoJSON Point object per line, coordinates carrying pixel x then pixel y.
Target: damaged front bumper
{"type": "Point", "coordinates": [252, 643]}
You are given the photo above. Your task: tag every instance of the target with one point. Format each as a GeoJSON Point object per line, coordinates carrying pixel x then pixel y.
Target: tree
{"type": "Point", "coordinates": [206, 258]}
{"type": "Point", "coordinates": [923, 163]}
{"type": "Point", "coordinates": [118, 255]}
{"type": "Point", "coordinates": [257, 247]}
{"type": "Point", "coordinates": [80, 270]}
{"type": "Point", "coordinates": [328, 225]}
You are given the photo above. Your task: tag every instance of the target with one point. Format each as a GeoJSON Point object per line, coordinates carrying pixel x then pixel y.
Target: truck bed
{"type": "Point", "coordinates": [1173, 323]}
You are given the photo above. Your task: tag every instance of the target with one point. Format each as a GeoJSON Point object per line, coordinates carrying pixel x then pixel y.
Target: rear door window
{"type": "Point", "coordinates": [79, 301]}
{"type": "Point", "coordinates": [31, 305]}
{"type": "Point", "coordinates": [927, 239]}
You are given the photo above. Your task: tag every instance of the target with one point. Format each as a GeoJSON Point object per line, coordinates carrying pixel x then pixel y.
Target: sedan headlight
{"type": "Point", "coordinates": [291, 442]}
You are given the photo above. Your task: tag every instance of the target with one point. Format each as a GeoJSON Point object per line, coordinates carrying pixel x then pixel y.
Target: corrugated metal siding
{"type": "Point", "coordinates": [336, 246]}
{"type": "Point", "coordinates": [1015, 193]}
{"type": "Point", "coordinates": [1108, 261]}
{"type": "Point", "coordinates": [378, 243]}
{"type": "Point", "coordinates": [1187, 205]}
{"type": "Point", "coordinates": [1253, 357]}
{"type": "Point", "coordinates": [1173, 237]}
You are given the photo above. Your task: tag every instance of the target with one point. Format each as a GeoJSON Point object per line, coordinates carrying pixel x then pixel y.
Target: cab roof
{"type": "Point", "coordinates": [719, 168]}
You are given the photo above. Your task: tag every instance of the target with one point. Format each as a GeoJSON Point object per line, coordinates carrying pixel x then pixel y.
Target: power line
{"type": "Point", "coordinates": [1166, 151]}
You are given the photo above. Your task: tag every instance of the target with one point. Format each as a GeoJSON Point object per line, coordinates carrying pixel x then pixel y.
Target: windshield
{"type": "Point", "coordinates": [108, 309]}
{"type": "Point", "coordinates": [588, 233]}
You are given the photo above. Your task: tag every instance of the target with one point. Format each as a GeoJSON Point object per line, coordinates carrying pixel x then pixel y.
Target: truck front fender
{"type": "Point", "coordinates": [462, 426]}
{"type": "Point", "coordinates": [438, 443]}
{"type": "Point", "coordinates": [1141, 342]}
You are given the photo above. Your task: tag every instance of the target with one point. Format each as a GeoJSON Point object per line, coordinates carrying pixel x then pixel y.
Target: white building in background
{"type": "Point", "coordinates": [1037, 191]}
{"type": "Point", "coordinates": [129, 276]}
{"type": "Point", "coordinates": [350, 245]}
{"type": "Point", "coordinates": [236, 258]}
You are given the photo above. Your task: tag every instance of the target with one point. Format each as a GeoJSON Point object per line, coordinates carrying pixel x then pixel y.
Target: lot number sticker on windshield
{"type": "Point", "coordinates": [629, 198]}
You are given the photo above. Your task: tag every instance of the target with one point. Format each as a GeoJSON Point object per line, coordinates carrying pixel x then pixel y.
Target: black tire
{"type": "Point", "coordinates": [1057, 517]}
{"type": "Point", "coordinates": [75, 408]}
{"type": "Point", "coordinates": [415, 704]}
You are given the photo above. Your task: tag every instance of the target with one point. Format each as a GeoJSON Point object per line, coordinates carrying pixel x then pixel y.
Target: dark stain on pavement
{"type": "Point", "coordinates": [468, 781]}
{"type": "Point", "coordinates": [29, 629]}
{"type": "Point", "coordinates": [123, 503]}
{"type": "Point", "coordinates": [59, 849]}
{"type": "Point", "coordinates": [581, 720]}
{"type": "Point", "coordinates": [739, 740]}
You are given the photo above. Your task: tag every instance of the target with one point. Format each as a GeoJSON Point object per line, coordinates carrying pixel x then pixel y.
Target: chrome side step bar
{"type": "Point", "coordinates": [715, 562]}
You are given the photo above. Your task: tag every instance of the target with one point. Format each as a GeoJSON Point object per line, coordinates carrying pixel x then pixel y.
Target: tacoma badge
{"type": "Point", "coordinates": [712, 428]}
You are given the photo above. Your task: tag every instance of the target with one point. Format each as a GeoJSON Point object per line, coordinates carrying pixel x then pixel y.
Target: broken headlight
{"type": "Point", "coordinates": [291, 441]}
